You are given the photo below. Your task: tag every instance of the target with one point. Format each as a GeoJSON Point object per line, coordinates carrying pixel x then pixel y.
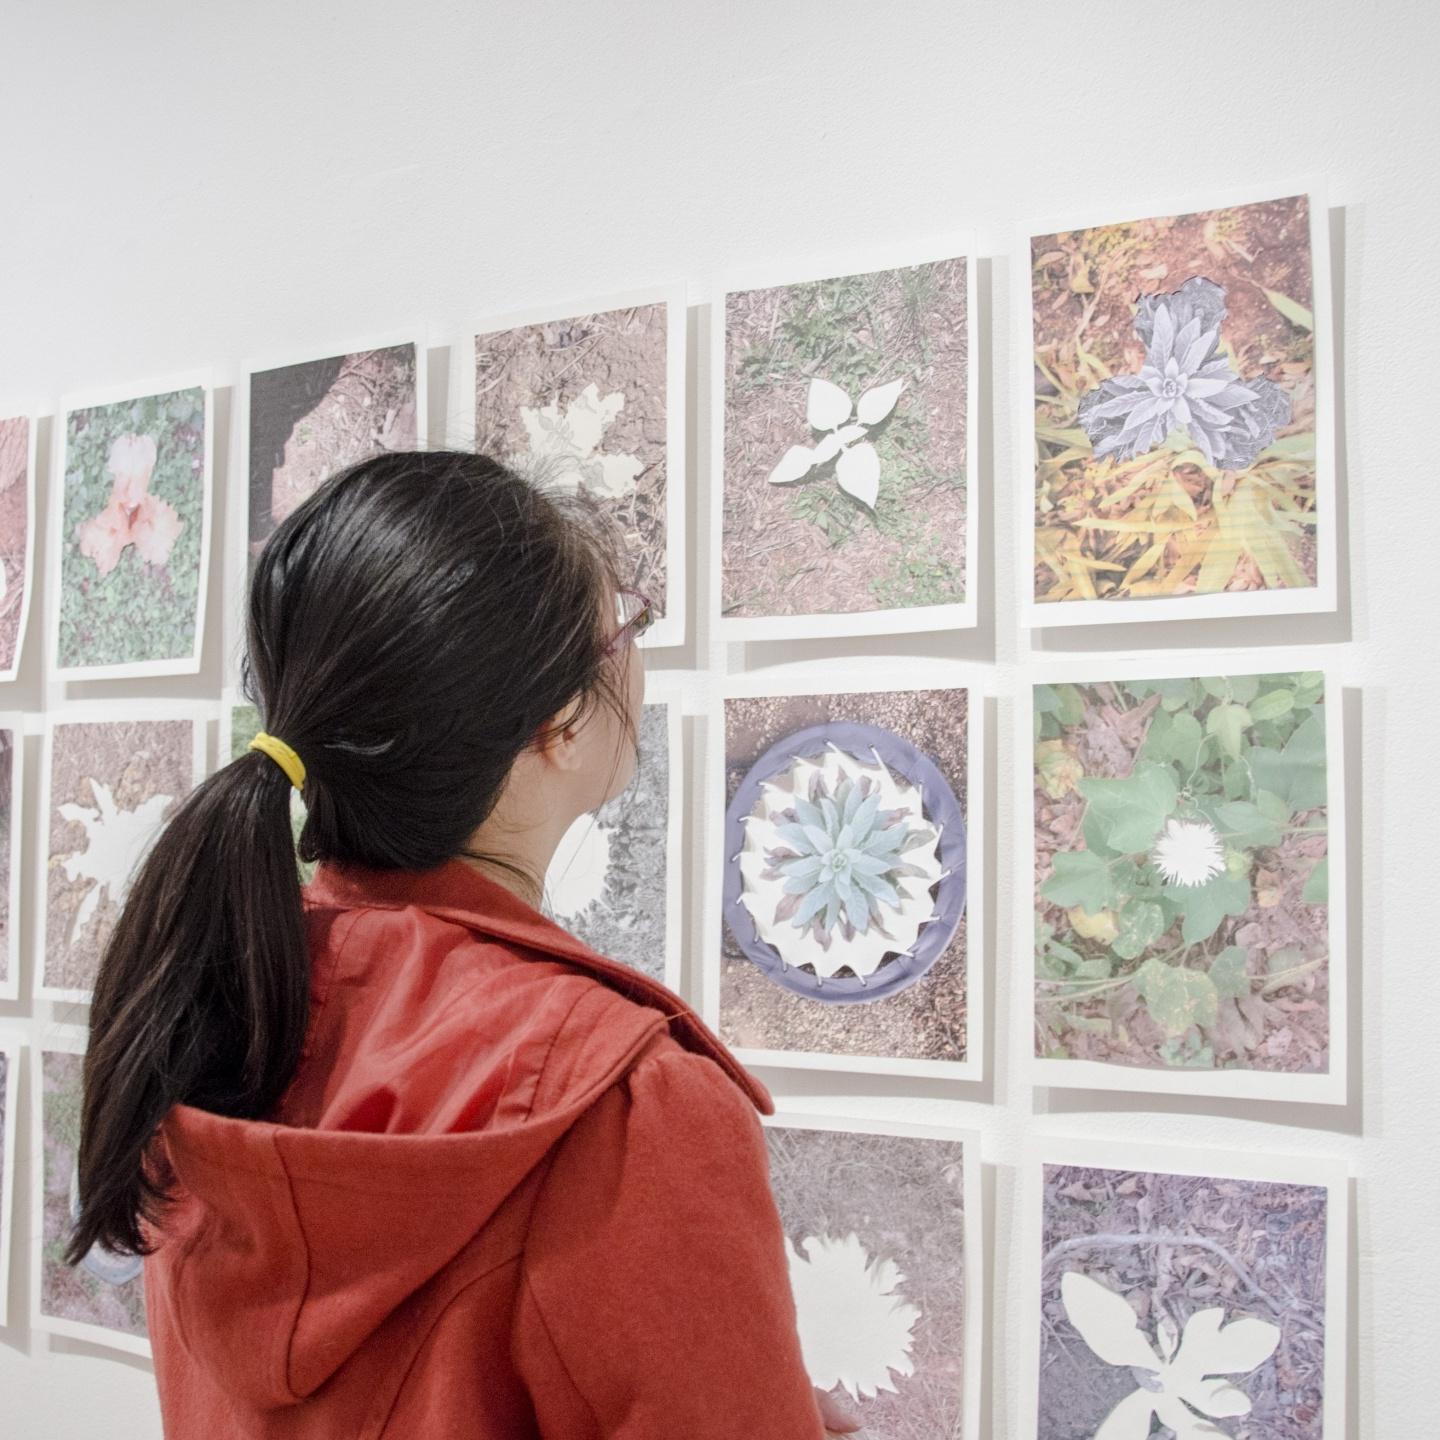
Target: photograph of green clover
{"type": "Point", "coordinates": [1187, 931]}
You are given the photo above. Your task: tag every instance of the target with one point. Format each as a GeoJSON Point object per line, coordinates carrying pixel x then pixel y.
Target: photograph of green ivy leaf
{"type": "Point", "coordinates": [1181, 876]}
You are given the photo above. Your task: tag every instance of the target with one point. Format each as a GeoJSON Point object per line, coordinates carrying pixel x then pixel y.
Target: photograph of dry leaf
{"type": "Point", "coordinates": [608, 881]}
{"type": "Point", "coordinates": [875, 1230]}
{"type": "Point", "coordinates": [845, 444]}
{"type": "Point", "coordinates": [926, 1019]}
{"type": "Point", "coordinates": [112, 786]}
{"type": "Point", "coordinates": [1195, 1302]}
{"type": "Point", "coordinates": [1175, 406]}
{"type": "Point", "coordinates": [1181, 874]}
{"type": "Point", "coordinates": [309, 420]}
{"type": "Point", "coordinates": [15, 523]}
{"type": "Point", "coordinates": [580, 404]}
{"type": "Point", "coordinates": [105, 1290]}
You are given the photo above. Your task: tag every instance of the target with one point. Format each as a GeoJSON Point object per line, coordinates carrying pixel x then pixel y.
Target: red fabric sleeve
{"type": "Point", "coordinates": [655, 1296]}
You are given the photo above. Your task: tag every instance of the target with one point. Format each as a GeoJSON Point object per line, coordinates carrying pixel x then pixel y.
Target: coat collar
{"type": "Point", "coordinates": [460, 892]}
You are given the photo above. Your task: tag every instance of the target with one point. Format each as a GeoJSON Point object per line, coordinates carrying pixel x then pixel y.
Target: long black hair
{"type": "Point", "coordinates": [413, 626]}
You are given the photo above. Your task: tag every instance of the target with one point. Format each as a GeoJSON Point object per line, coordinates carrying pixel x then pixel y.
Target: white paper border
{"type": "Point", "coordinates": [29, 415]}
{"type": "Point", "coordinates": [838, 678]}
{"type": "Point", "coordinates": [1322, 597]}
{"type": "Point", "coordinates": [1328, 1088]}
{"type": "Point", "coordinates": [961, 615]}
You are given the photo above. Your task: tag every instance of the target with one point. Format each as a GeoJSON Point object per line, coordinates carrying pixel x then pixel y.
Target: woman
{"type": "Point", "coordinates": [405, 1158]}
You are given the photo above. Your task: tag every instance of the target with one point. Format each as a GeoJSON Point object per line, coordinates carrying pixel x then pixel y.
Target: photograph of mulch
{"type": "Point", "coordinates": [1175, 405]}
{"type": "Point", "coordinates": [1171, 1248]}
{"type": "Point", "coordinates": [132, 536]}
{"type": "Point", "coordinates": [8, 741]}
{"type": "Point", "coordinates": [621, 912]}
{"type": "Point", "coordinates": [927, 1020]}
{"type": "Point", "coordinates": [808, 545]}
{"type": "Point", "coordinates": [98, 1292]}
{"type": "Point", "coordinates": [1181, 875]}
{"type": "Point", "coordinates": [580, 404]}
{"type": "Point", "coordinates": [15, 524]}
{"type": "Point", "coordinates": [309, 420]}
{"type": "Point", "coordinates": [113, 784]}
{"type": "Point", "coordinates": [883, 1219]}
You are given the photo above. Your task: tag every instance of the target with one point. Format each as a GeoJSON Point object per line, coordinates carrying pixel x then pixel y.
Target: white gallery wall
{"type": "Point", "coordinates": [196, 184]}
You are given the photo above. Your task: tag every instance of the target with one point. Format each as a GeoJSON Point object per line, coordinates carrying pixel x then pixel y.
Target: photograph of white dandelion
{"type": "Point", "coordinates": [17, 534]}
{"type": "Point", "coordinates": [589, 398]}
{"type": "Point", "coordinates": [1186, 831]}
{"type": "Point", "coordinates": [1207, 1298]}
{"type": "Point", "coordinates": [614, 880]}
{"type": "Point", "coordinates": [131, 532]}
{"type": "Point", "coordinates": [11, 1049]}
{"type": "Point", "coordinates": [1175, 415]}
{"type": "Point", "coordinates": [108, 785]}
{"type": "Point", "coordinates": [103, 1298]}
{"type": "Point", "coordinates": [12, 792]}
{"type": "Point", "coordinates": [882, 1227]}
{"type": "Point", "coordinates": [841, 421]}
{"type": "Point", "coordinates": [846, 886]}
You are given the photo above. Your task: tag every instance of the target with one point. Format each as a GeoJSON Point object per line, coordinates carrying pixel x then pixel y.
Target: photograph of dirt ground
{"type": "Point", "coordinates": [106, 1290]}
{"type": "Point", "coordinates": [112, 785]}
{"type": "Point", "coordinates": [14, 534]}
{"type": "Point", "coordinates": [1175, 405]}
{"type": "Point", "coordinates": [309, 420]}
{"type": "Point", "coordinates": [1181, 1258]}
{"type": "Point", "coordinates": [608, 882]}
{"type": "Point", "coordinates": [889, 353]}
{"type": "Point", "coordinates": [928, 1020]}
{"type": "Point", "coordinates": [132, 534]}
{"type": "Point", "coordinates": [875, 1231]}
{"type": "Point", "coordinates": [1181, 875]}
{"type": "Point", "coordinates": [580, 404]}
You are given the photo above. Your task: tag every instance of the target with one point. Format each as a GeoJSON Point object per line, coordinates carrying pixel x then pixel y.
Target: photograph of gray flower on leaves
{"type": "Point", "coordinates": [846, 468]}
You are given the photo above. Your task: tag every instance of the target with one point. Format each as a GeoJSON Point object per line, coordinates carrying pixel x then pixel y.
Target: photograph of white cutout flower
{"type": "Point", "coordinates": [844, 404]}
{"type": "Point", "coordinates": [309, 419]}
{"type": "Point", "coordinates": [1177, 415]}
{"type": "Point", "coordinates": [132, 536]}
{"type": "Point", "coordinates": [875, 1233]}
{"type": "Point", "coordinates": [1183, 849]}
{"type": "Point", "coordinates": [109, 787]}
{"type": "Point", "coordinates": [612, 880]}
{"type": "Point", "coordinates": [17, 530]}
{"type": "Point", "coordinates": [591, 402]}
{"type": "Point", "coordinates": [103, 1298]}
{"type": "Point", "coordinates": [1194, 1301]}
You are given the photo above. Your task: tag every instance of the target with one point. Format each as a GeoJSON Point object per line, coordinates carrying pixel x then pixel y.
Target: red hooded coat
{"type": "Point", "coordinates": [514, 1190]}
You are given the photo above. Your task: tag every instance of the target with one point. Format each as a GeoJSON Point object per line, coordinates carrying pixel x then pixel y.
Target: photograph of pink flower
{"type": "Point", "coordinates": [133, 536]}
{"type": "Point", "coordinates": [17, 530]}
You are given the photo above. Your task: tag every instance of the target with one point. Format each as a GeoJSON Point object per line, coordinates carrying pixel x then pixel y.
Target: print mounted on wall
{"type": "Point", "coordinates": [1176, 419]}
{"type": "Point", "coordinates": [239, 725]}
{"type": "Point", "coordinates": [130, 518]}
{"type": "Point", "coordinates": [102, 1299]}
{"type": "Point", "coordinates": [1189, 881]}
{"type": "Point", "coordinates": [17, 533]}
{"type": "Point", "coordinates": [883, 1236]}
{"type": "Point", "coordinates": [11, 1049]}
{"type": "Point", "coordinates": [111, 776]}
{"type": "Point", "coordinates": [842, 403]}
{"type": "Point", "coordinates": [615, 879]}
{"type": "Point", "coordinates": [845, 877]}
{"type": "Point", "coordinates": [1205, 1291]}
{"type": "Point", "coordinates": [590, 399]}
{"type": "Point", "coordinates": [12, 830]}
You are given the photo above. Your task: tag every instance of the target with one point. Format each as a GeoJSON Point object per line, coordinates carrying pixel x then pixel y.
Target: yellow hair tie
{"type": "Point", "coordinates": [283, 756]}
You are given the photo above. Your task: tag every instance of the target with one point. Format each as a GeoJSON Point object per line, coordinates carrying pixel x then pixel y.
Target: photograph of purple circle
{"type": "Point", "coordinates": [845, 863]}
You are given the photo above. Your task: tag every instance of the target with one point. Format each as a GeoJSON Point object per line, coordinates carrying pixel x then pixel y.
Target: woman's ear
{"type": "Point", "coordinates": [558, 744]}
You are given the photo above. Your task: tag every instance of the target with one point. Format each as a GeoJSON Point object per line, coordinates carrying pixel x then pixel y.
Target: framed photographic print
{"type": "Point", "coordinates": [12, 832]}
{"type": "Point", "coordinates": [17, 533]}
{"type": "Point", "coordinates": [11, 1050]}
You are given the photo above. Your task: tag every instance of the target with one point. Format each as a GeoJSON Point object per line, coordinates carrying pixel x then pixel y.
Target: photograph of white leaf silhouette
{"type": "Point", "coordinates": [581, 402]}
{"type": "Point", "coordinates": [1175, 415]}
{"type": "Point", "coordinates": [845, 412]}
{"type": "Point", "coordinates": [309, 419]}
{"type": "Point", "coordinates": [609, 881]}
{"type": "Point", "coordinates": [846, 879]}
{"type": "Point", "coordinates": [110, 787]}
{"type": "Point", "coordinates": [1195, 1301]}
{"type": "Point", "coordinates": [875, 1227]}
{"type": "Point", "coordinates": [1184, 846]}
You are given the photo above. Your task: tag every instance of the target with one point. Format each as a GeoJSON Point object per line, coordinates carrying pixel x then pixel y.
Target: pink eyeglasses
{"type": "Point", "coordinates": [634, 615]}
